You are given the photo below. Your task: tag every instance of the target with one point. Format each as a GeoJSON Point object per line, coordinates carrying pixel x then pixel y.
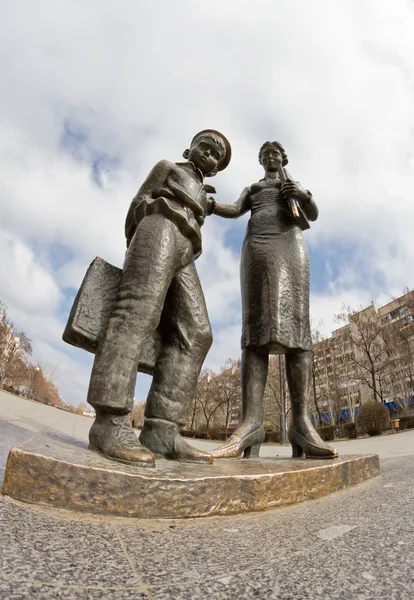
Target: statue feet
{"type": "Point", "coordinates": [164, 439]}
{"type": "Point", "coordinates": [306, 441]}
{"type": "Point", "coordinates": [246, 441]}
{"type": "Point", "coordinates": [113, 436]}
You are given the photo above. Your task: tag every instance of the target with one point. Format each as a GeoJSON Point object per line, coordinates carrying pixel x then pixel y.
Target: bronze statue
{"type": "Point", "coordinates": [275, 304]}
{"type": "Point", "coordinates": [159, 290]}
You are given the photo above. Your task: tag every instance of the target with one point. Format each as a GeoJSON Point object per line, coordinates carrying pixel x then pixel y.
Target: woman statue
{"type": "Point", "coordinates": [274, 276]}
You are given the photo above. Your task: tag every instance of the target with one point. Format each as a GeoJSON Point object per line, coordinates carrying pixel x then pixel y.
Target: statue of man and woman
{"type": "Point", "coordinates": [160, 290]}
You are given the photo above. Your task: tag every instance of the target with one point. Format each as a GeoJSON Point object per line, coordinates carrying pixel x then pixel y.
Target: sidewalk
{"type": "Point", "coordinates": [38, 417]}
{"type": "Point", "coordinates": [353, 545]}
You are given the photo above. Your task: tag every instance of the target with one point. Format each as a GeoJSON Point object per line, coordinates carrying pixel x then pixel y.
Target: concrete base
{"type": "Point", "coordinates": [60, 472]}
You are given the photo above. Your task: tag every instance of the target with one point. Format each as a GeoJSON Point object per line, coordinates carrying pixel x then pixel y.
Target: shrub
{"type": "Point", "coordinates": [194, 433]}
{"type": "Point", "coordinates": [272, 435]}
{"type": "Point", "coordinates": [217, 433]}
{"type": "Point", "coordinates": [373, 418]}
{"type": "Point", "coordinates": [327, 432]}
{"type": "Point", "coordinates": [407, 422]}
{"type": "Point", "coordinates": [11, 390]}
{"type": "Point", "coordinates": [350, 430]}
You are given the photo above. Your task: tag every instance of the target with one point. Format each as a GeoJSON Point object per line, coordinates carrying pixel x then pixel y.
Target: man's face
{"type": "Point", "coordinates": [206, 154]}
{"type": "Point", "coordinates": [271, 158]}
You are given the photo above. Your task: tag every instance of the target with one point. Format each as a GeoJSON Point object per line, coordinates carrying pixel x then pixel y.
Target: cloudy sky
{"type": "Point", "coordinates": [95, 92]}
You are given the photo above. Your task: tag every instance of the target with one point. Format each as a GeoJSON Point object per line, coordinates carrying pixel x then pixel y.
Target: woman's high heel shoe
{"type": "Point", "coordinates": [316, 448]}
{"type": "Point", "coordinates": [238, 445]}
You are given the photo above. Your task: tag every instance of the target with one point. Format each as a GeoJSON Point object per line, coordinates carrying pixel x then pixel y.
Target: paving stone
{"type": "Point", "coordinates": [353, 545]}
{"type": "Point", "coordinates": [269, 584]}
{"type": "Point", "coordinates": [10, 590]}
{"type": "Point", "coordinates": [10, 435]}
{"type": "Point", "coordinates": [37, 546]}
{"type": "Point", "coordinates": [292, 545]}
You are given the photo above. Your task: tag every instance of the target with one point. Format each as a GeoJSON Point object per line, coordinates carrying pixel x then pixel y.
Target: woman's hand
{"type": "Point", "coordinates": [291, 189]}
{"type": "Point", "coordinates": [211, 205]}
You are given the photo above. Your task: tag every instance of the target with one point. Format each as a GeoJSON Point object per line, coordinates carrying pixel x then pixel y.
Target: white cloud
{"type": "Point", "coordinates": [87, 88]}
{"type": "Point", "coordinates": [26, 285]}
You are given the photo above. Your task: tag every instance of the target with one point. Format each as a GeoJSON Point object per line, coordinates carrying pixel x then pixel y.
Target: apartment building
{"type": "Point", "coordinates": [370, 356]}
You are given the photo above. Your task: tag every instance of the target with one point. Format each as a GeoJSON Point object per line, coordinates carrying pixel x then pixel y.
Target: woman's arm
{"type": "Point", "coordinates": [293, 189]}
{"type": "Point", "coordinates": [233, 211]}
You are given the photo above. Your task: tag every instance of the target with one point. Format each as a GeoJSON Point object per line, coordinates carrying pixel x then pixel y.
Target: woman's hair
{"type": "Point", "coordinates": [279, 147]}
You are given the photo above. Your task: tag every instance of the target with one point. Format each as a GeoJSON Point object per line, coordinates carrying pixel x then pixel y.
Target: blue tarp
{"type": "Point", "coordinates": [346, 414]}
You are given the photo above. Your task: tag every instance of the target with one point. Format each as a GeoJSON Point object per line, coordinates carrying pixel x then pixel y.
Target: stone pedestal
{"type": "Point", "coordinates": [61, 472]}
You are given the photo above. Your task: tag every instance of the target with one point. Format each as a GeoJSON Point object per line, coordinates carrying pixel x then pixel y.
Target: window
{"type": "Point", "coordinates": [398, 312]}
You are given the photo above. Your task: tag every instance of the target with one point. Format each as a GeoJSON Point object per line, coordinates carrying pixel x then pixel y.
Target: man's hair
{"type": "Point", "coordinates": [274, 145]}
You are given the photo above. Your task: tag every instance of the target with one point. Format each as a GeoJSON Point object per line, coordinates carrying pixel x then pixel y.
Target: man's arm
{"type": "Point", "coordinates": [154, 181]}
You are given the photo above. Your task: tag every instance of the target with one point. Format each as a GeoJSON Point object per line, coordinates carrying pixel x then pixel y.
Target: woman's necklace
{"type": "Point", "coordinates": [271, 178]}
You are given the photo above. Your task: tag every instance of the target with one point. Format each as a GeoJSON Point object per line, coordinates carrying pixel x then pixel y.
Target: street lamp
{"type": "Point", "coordinates": [282, 403]}
{"type": "Point", "coordinates": [15, 347]}
{"type": "Point", "coordinates": [32, 390]}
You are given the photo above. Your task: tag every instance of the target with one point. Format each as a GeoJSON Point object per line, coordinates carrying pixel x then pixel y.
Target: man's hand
{"type": "Point", "coordinates": [291, 189]}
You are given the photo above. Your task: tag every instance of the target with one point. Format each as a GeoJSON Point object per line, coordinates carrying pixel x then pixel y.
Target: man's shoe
{"type": "Point", "coordinates": [113, 436]}
{"type": "Point", "coordinates": [164, 439]}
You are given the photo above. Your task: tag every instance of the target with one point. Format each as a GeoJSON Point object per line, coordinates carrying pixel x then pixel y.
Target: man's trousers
{"type": "Point", "coordinates": [159, 287]}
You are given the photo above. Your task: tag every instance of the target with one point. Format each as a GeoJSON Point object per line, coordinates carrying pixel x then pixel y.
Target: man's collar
{"type": "Point", "coordinates": [196, 170]}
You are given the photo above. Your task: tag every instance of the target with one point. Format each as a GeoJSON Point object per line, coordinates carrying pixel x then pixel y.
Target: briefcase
{"type": "Point", "coordinates": [92, 309]}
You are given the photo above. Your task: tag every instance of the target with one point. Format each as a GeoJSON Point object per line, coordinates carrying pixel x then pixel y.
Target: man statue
{"type": "Point", "coordinates": [159, 290]}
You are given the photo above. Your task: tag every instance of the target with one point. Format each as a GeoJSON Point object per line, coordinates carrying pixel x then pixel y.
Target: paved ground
{"type": "Point", "coordinates": [357, 544]}
{"type": "Point", "coordinates": [38, 417]}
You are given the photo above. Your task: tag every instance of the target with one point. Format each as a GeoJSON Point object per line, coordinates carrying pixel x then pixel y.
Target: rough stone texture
{"type": "Point", "coordinates": [74, 546]}
{"type": "Point", "coordinates": [60, 472]}
{"type": "Point", "coordinates": [353, 545]}
{"type": "Point", "coordinates": [48, 592]}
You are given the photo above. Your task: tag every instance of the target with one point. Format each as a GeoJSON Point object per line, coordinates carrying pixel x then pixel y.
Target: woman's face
{"type": "Point", "coordinates": [271, 158]}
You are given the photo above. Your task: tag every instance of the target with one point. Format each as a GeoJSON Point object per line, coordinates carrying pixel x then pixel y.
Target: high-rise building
{"type": "Point", "coordinates": [370, 357]}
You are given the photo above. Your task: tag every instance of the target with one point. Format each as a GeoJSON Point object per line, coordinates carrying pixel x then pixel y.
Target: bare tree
{"type": "Point", "coordinates": [17, 370]}
{"type": "Point", "coordinates": [45, 391]}
{"type": "Point", "coordinates": [272, 400]}
{"type": "Point", "coordinates": [208, 397]}
{"type": "Point", "coordinates": [49, 369]}
{"type": "Point", "coordinates": [228, 387]}
{"type": "Point", "coordinates": [15, 351]}
{"type": "Point", "coordinates": [137, 415]}
{"type": "Point", "coordinates": [369, 351]}
{"type": "Point", "coordinates": [195, 408]}
{"type": "Point", "coordinates": [319, 384]}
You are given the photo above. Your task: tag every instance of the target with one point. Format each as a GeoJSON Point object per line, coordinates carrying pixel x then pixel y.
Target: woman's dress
{"type": "Point", "coordinates": [274, 274]}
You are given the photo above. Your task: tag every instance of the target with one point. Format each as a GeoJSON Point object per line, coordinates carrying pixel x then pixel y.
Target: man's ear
{"type": "Point", "coordinates": [186, 153]}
